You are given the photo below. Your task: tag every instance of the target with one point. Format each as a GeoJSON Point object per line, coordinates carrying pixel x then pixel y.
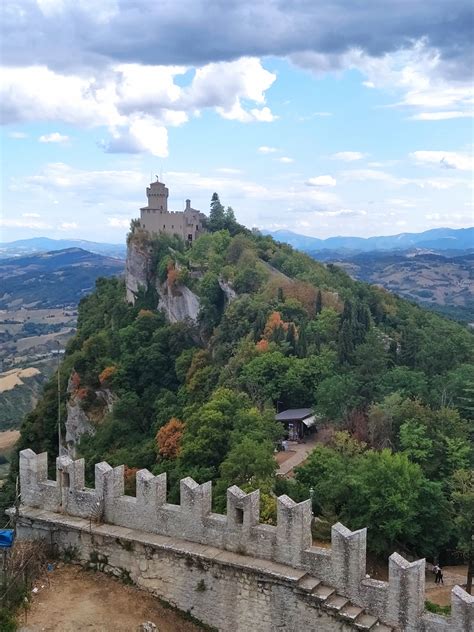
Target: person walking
{"type": "Point", "coordinates": [435, 571]}
{"type": "Point", "coordinates": [439, 576]}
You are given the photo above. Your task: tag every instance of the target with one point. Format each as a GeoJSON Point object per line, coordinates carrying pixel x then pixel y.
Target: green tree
{"type": "Point", "coordinates": [462, 496]}
{"type": "Point", "coordinates": [217, 218]}
{"type": "Point", "coordinates": [319, 302]}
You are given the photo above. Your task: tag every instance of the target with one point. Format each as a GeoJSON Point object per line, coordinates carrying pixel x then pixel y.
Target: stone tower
{"type": "Point", "coordinates": [157, 194]}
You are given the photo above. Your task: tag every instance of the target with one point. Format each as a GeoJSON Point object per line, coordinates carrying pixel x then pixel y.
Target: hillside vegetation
{"type": "Point", "coordinates": [442, 283]}
{"type": "Point", "coordinates": [394, 381]}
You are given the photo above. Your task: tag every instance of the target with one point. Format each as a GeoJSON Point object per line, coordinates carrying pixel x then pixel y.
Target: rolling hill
{"type": "Point", "coordinates": [36, 245]}
{"type": "Point", "coordinates": [53, 279]}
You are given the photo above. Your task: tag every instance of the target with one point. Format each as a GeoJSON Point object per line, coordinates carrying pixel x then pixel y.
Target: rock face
{"type": "Point", "coordinates": [230, 293]}
{"type": "Point", "coordinates": [178, 302]}
{"type": "Point", "coordinates": [77, 424]}
{"type": "Point", "coordinates": [137, 271]}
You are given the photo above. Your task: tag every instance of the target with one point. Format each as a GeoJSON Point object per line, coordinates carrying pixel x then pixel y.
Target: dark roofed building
{"type": "Point", "coordinates": [298, 422]}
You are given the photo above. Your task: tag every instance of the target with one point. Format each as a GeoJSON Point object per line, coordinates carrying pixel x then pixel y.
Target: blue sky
{"type": "Point", "coordinates": [363, 130]}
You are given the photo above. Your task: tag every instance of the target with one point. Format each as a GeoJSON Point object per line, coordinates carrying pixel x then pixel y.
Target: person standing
{"type": "Point", "coordinates": [439, 576]}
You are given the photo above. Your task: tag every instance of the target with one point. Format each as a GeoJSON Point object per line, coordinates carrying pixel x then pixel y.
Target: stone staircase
{"type": "Point", "coordinates": [328, 599]}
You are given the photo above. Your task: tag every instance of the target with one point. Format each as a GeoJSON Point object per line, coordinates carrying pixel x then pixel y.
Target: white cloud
{"type": "Point", "coordinates": [34, 215]}
{"type": "Point", "coordinates": [54, 137]}
{"type": "Point", "coordinates": [441, 116]}
{"type": "Point", "coordinates": [322, 181]}
{"type": "Point", "coordinates": [24, 223]}
{"type": "Point", "coordinates": [267, 150]}
{"type": "Point", "coordinates": [349, 156]}
{"type": "Point", "coordinates": [117, 222]}
{"type": "Point", "coordinates": [105, 184]}
{"type": "Point", "coordinates": [68, 226]}
{"type": "Point", "coordinates": [369, 174]}
{"type": "Point", "coordinates": [17, 135]}
{"type": "Point", "coordinates": [446, 159]}
{"type": "Point", "coordinates": [418, 74]}
{"type": "Point", "coordinates": [285, 160]}
{"type": "Point", "coordinates": [136, 103]}
{"type": "Point", "coordinates": [314, 115]}
{"type": "Point", "coordinates": [229, 170]}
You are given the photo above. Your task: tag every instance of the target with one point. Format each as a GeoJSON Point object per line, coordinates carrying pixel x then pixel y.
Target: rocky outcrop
{"type": "Point", "coordinates": [77, 424]}
{"type": "Point", "coordinates": [78, 421]}
{"type": "Point", "coordinates": [230, 293]}
{"type": "Point", "coordinates": [137, 270]}
{"type": "Point", "coordinates": [178, 302]}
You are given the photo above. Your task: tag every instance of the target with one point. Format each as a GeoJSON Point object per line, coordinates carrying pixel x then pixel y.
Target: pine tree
{"type": "Point", "coordinates": [319, 302]}
{"type": "Point", "coordinates": [280, 295]}
{"type": "Point", "coordinates": [259, 326]}
{"type": "Point", "coordinates": [291, 338]}
{"type": "Point", "coordinates": [392, 353]}
{"type": "Point", "coordinates": [217, 214]}
{"type": "Point", "coordinates": [302, 345]}
{"type": "Point", "coordinates": [345, 343]}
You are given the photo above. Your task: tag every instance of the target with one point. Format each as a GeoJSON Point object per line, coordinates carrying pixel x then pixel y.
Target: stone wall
{"type": "Point", "coordinates": [341, 569]}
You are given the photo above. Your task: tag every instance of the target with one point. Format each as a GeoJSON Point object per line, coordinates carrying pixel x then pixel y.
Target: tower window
{"type": "Point", "coordinates": [239, 516]}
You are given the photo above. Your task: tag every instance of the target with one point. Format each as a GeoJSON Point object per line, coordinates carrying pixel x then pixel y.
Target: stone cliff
{"type": "Point", "coordinates": [178, 302]}
{"type": "Point", "coordinates": [137, 269]}
{"type": "Point", "coordinates": [78, 421]}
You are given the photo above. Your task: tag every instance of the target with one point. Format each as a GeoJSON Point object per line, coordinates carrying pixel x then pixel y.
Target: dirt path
{"type": "Point", "coordinates": [441, 593]}
{"type": "Point", "coordinates": [298, 453]}
{"type": "Point", "coordinates": [8, 438]}
{"type": "Point", "coordinates": [78, 600]}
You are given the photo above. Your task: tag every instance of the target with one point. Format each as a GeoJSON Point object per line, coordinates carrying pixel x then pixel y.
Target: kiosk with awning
{"type": "Point", "coordinates": [298, 422]}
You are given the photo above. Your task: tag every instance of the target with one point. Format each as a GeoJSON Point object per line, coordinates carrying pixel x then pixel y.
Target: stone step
{"type": "Point", "coordinates": [335, 603]}
{"type": "Point", "coordinates": [365, 622]}
{"type": "Point", "coordinates": [350, 612]}
{"type": "Point", "coordinates": [323, 592]}
{"type": "Point", "coordinates": [309, 583]}
{"type": "Point", "coordinates": [381, 627]}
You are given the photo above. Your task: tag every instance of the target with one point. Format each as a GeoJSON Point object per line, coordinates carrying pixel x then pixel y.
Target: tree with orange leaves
{"type": "Point", "coordinates": [169, 438]}
{"type": "Point", "coordinates": [106, 374]}
{"type": "Point", "coordinates": [274, 322]}
{"type": "Point", "coordinates": [262, 345]}
{"type": "Point", "coordinates": [172, 274]}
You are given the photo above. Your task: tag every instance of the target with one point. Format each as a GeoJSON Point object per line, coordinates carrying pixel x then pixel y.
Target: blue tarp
{"type": "Point", "coordinates": [6, 538]}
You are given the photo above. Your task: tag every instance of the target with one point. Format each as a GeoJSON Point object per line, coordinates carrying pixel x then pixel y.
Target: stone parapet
{"type": "Point", "coordinates": [398, 602]}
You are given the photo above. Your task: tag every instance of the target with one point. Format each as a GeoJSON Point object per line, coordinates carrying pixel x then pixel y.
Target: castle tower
{"type": "Point", "coordinates": [157, 194]}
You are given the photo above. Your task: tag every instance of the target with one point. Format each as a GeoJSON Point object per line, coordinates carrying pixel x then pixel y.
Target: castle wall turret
{"type": "Point", "coordinates": [278, 559]}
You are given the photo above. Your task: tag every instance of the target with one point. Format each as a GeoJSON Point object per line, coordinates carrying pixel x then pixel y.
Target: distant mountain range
{"type": "Point", "coordinates": [45, 244]}
{"type": "Point", "coordinates": [53, 279]}
{"type": "Point", "coordinates": [438, 239]}
{"type": "Point", "coordinates": [434, 268]}
{"type": "Point", "coordinates": [439, 282]}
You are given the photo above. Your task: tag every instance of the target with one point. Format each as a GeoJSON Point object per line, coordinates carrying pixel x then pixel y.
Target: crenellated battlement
{"type": "Point", "coordinates": [399, 602]}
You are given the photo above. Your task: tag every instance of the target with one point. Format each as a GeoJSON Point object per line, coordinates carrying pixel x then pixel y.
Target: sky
{"type": "Point", "coordinates": [335, 117]}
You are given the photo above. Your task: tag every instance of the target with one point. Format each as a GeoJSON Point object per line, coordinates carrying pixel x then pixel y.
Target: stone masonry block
{"type": "Point", "coordinates": [102, 471]}
{"type": "Point", "coordinates": [348, 559]}
{"type": "Point", "coordinates": [462, 611]}
{"type": "Point", "coordinates": [406, 592]}
{"type": "Point", "coordinates": [194, 498]}
{"type": "Point", "coordinates": [293, 529]}
{"type": "Point", "coordinates": [151, 490]}
{"type": "Point", "coordinates": [243, 510]}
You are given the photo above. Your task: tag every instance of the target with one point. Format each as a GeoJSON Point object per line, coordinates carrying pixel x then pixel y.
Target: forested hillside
{"type": "Point", "coordinates": [394, 381]}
